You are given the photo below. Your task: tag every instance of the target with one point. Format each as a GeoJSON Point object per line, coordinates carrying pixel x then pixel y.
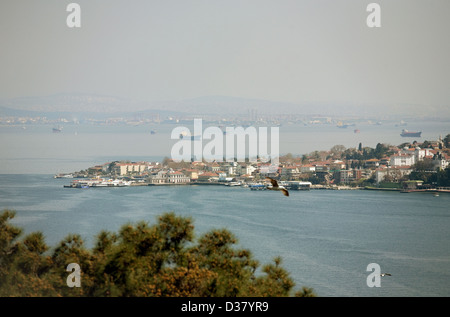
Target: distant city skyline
{"type": "Point", "coordinates": [292, 52]}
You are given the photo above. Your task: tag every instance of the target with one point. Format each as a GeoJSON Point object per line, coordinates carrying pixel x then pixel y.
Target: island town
{"type": "Point", "coordinates": [416, 166]}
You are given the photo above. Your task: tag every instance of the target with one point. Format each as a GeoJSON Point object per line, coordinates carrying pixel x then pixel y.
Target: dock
{"type": "Point", "coordinates": [427, 190]}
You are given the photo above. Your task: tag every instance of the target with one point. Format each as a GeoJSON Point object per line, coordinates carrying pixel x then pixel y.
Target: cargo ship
{"type": "Point", "coordinates": [406, 133]}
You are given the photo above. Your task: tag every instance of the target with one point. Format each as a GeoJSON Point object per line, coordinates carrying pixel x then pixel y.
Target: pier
{"type": "Point", "coordinates": [427, 190]}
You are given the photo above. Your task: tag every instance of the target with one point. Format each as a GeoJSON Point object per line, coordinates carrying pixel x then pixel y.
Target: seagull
{"type": "Point", "coordinates": [276, 187]}
{"type": "Point", "coordinates": [385, 274]}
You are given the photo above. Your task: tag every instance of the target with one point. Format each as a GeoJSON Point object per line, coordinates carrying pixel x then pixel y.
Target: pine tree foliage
{"type": "Point", "coordinates": [140, 259]}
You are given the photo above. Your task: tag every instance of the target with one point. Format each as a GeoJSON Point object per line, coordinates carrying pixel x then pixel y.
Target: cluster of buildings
{"type": "Point", "coordinates": [333, 170]}
{"type": "Point", "coordinates": [175, 173]}
{"type": "Point", "coordinates": [402, 162]}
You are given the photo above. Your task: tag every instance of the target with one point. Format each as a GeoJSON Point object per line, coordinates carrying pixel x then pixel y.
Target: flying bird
{"type": "Point", "coordinates": [276, 187]}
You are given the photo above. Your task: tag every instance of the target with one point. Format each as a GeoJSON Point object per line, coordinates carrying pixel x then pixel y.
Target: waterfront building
{"type": "Point", "coordinates": [177, 178]}
{"type": "Point", "coordinates": [412, 184]}
{"type": "Point", "coordinates": [159, 177]}
{"type": "Point", "coordinates": [208, 176]}
{"type": "Point", "coordinates": [130, 168]}
{"type": "Point", "coordinates": [191, 173]}
{"type": "Point", "coordinates": [392, 174]}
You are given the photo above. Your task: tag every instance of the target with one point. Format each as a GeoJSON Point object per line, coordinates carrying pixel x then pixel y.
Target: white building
{"type": "Point", "coordinates": [441, 161]}
{"type": "Point", "coordinates": [402, 160]}
{"type": "Point", "coordinates": [420, 154]}
{"type": "Point", "coordinates": [391, 174]}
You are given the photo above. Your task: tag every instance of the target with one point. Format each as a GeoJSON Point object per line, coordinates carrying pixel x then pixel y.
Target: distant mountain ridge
{"type": "Point", "coordinates": [66, 102]}
{"type": "Point", "coordinates": [96, 105]}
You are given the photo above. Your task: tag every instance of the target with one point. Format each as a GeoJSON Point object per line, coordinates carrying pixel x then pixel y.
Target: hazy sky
{"type": "Point", "coordinates": [284, 50]}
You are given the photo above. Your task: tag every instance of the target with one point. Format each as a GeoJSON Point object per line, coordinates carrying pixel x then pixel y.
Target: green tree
{"type": "Point", "coordinates": [337, 150]}
{"type": "Point", "coordinates": [447, 141]}
{"type": "Point", "coordinates": [23, 265]}
{"type": "Point", "coordinates": [162, 259]}
{"type": "Point", "coordinates": [380, 150]}
{"type": "Point", "coordinates": [443, 177]}
{"type": "Point", "coordinates": [424, 170]}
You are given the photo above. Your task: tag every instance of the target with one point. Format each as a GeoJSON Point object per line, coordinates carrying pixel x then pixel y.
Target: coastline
{"type": "Point", "coordinates": [288, 186]}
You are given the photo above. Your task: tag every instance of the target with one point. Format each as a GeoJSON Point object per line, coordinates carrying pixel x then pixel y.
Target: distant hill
{"type": "Point", "coordinates": [79, 104]}
{"type": "Point", "coordinates": [68, 103]}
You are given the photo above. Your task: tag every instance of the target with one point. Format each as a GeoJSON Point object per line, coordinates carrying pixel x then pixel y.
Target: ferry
{"type": "Point", "coordinates": [192, 138]}
{"type": "Point", "coordinates": [233, 184]}
{"type": "Point", "coordinates": [257, 187]}
{"type": "Point", "coordinates": [298, 185]}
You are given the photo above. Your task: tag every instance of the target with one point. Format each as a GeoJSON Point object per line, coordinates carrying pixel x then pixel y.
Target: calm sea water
{"type": "Point", "coordinates": [36, 150]}
{"type": "Point", "coordinates": [325, 238]}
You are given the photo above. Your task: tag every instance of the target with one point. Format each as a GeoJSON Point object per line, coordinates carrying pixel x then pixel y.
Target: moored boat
{"type": "Point", "coordinates": [98, 182]}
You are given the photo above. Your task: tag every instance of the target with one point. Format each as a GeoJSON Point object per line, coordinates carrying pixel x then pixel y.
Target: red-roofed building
{"type": "Point", "coordinates": [372, 163]}
{"type": "Point", "coordinates": [207, 176]}
{"type": "Point", "coordinates": [307, 168]}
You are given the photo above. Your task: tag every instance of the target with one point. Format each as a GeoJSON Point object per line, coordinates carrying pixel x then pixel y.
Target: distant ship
{"type": "Point", "coordinates": [356, 131]}
{"type": "Point", "coordinates": [57, 130]}
{"type": "Point", "coordinates": [153, 132]}
{"type": "Point", "coordinates": [406, 133]}
{"type": "Point", "coordinates": [184, 135]}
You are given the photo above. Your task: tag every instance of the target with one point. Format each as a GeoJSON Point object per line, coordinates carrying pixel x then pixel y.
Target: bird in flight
{"type": "Point", "coordinates": [276, 187]}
